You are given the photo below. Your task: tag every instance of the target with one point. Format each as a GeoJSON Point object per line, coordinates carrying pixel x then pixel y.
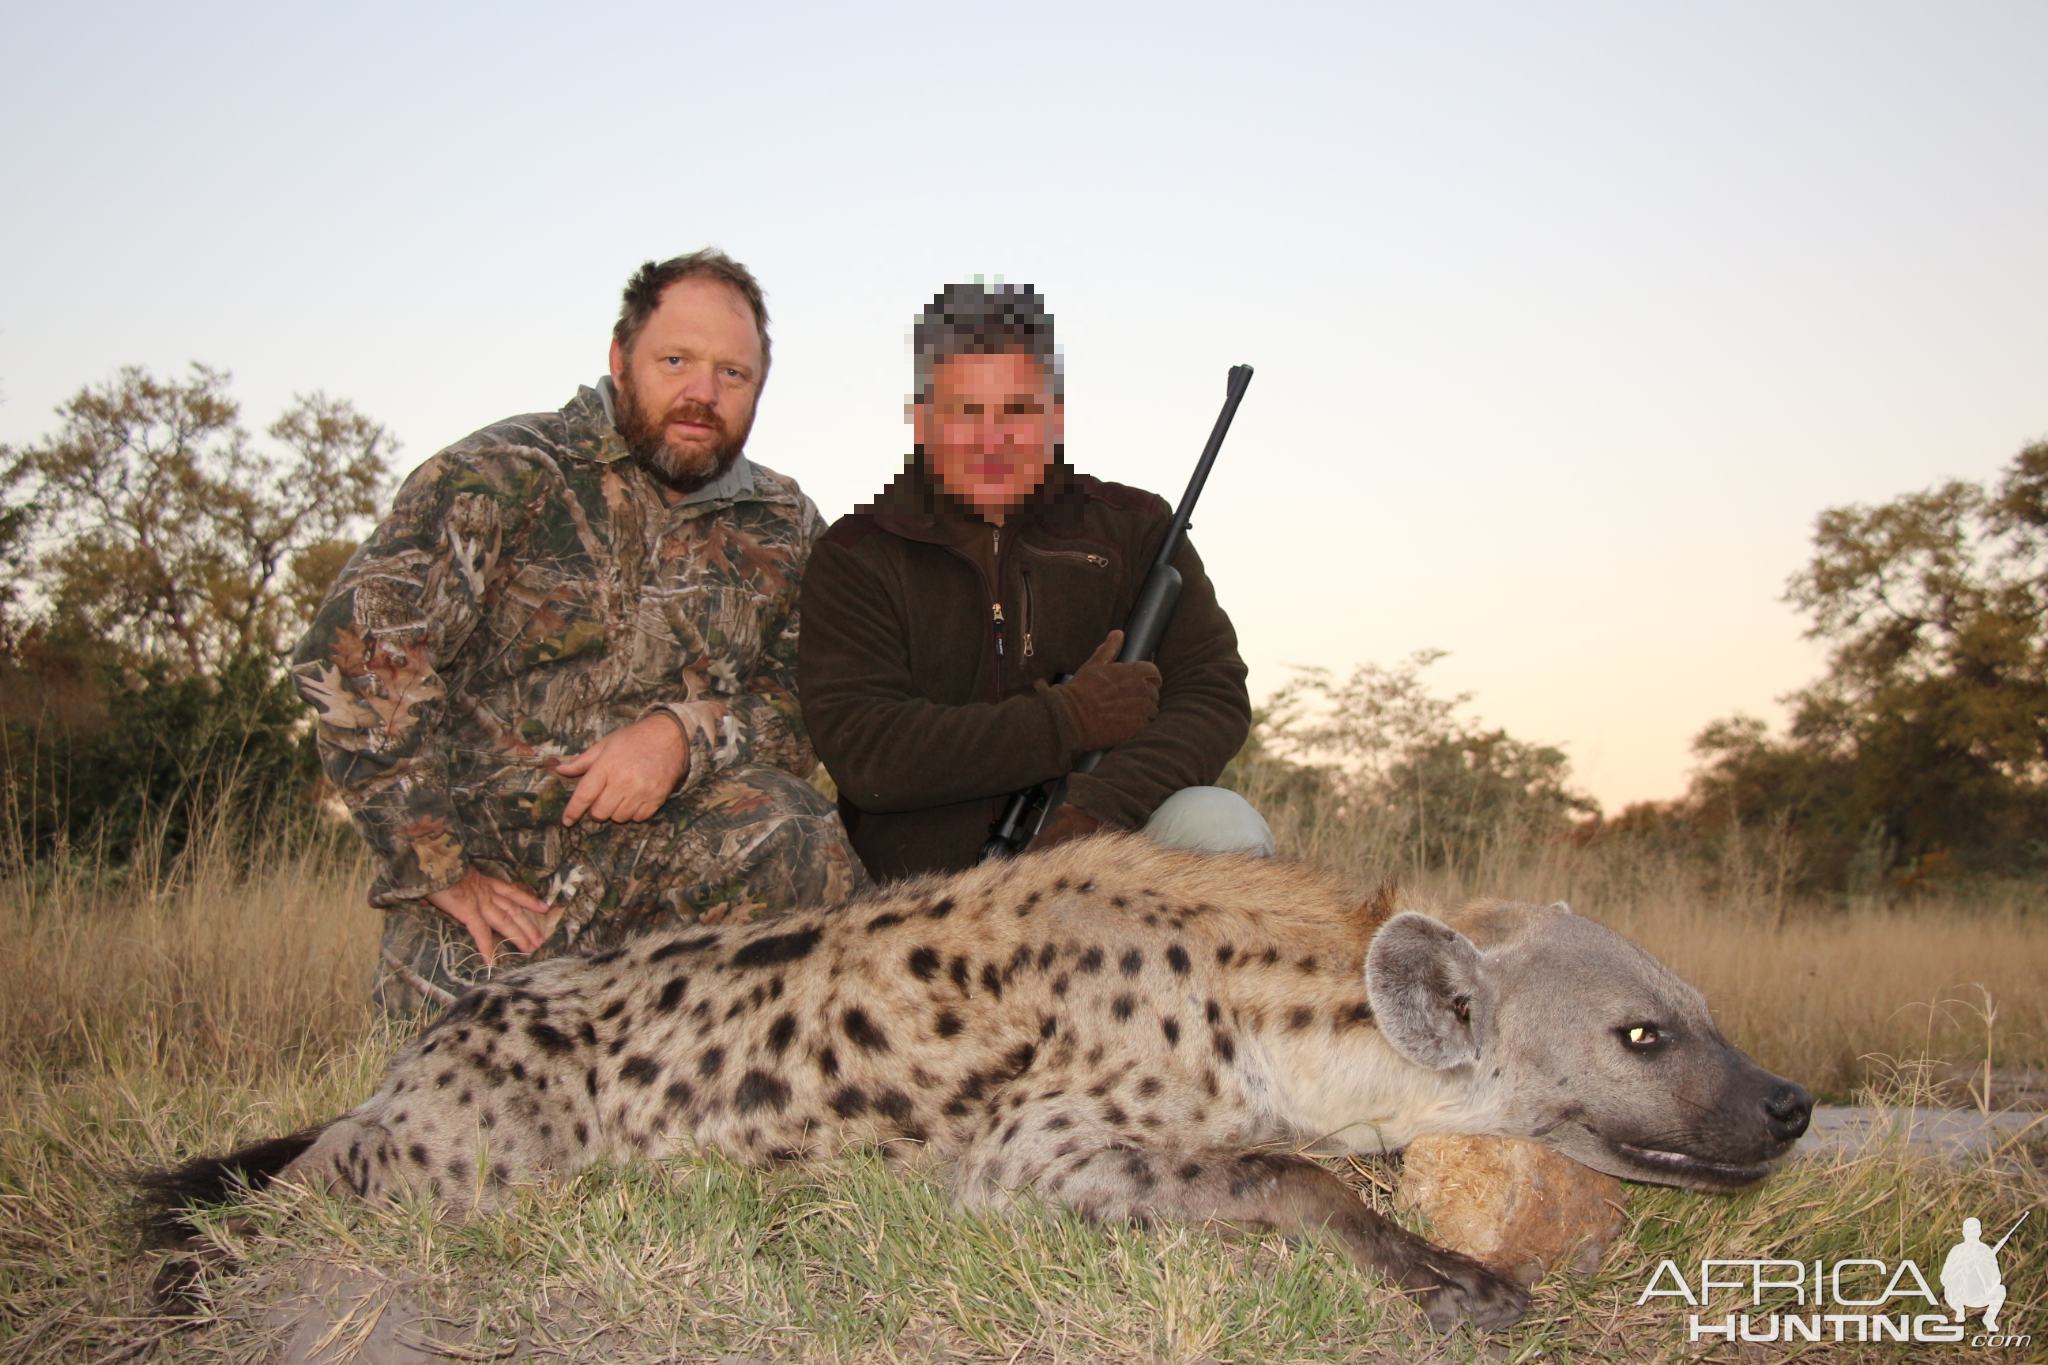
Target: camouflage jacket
{"type": "Point", "coordinates": [532, 590]}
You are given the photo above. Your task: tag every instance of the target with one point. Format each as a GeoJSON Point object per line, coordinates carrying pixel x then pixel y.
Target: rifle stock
{"type": "Point", "coordinates": [1026, 812]}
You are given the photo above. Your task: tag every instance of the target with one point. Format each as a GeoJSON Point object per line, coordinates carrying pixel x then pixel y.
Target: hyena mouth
{"type": "Point", "coordinates": [1692, 1169]}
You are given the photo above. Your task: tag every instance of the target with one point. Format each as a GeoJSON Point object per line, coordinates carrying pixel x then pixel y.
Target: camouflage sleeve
{"type": "Point", "coordinates": [761, 722]}
{"type": "Point", "coordinates": [370, 666]}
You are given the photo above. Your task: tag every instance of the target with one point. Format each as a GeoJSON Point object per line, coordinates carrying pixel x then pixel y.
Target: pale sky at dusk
{"type": "Point", "coordinates": [1568, 318]}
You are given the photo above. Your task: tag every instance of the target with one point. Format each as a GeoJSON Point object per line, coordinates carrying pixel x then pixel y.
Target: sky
{"type": "Point", "coordinates": [1568, 319]}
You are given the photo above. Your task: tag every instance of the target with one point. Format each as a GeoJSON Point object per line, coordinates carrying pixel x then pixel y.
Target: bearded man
{"type": "Point", "coordinates": [557, 687]}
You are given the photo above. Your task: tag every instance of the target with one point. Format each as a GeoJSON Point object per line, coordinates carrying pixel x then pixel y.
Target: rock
{"type": "Point", "coordinates": [1848, 1132]}
{"type": "Point", "coordinates": [1511, 1204]}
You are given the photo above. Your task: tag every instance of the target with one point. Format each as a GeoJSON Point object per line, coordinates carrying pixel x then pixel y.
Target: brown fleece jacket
{"type": "Point", "coordinates": [930, 640]}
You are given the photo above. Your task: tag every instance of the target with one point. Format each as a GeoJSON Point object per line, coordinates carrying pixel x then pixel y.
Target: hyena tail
{"type": "Point", "coordinates": [169, 1197]}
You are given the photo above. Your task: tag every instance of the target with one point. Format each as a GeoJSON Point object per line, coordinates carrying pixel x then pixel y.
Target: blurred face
{"type": "Point", "coordinates": [687, 391]}
{"type": "Point", "coordinates": [989, 430]}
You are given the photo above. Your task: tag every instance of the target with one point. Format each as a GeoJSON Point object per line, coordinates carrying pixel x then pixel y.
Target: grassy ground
{"type": "Point", "coordinates": [142, 1018]}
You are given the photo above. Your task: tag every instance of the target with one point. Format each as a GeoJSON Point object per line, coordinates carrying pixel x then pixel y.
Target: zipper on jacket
{"type": "Point", "coordinates": [995, 612]}
{"type": "Point", "coordinates": [1093, 560]}
{"type": "Point", "coordinates": [995, 587]}
{"type": "Point", "coordinates": [1028, 650]}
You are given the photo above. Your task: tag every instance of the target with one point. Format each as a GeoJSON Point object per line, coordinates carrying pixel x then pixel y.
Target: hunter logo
{"type": "Point", "coordinates": [1969, 1277]}
{"type": "Point", "coordinates": [1872, 1300]}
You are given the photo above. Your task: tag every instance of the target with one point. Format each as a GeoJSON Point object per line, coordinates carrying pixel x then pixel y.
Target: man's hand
{"type": "Point", "coordinates": [484, 904]}
{"type": "Point", "coordinates": [629, 773]}
{"type": "Point", "coordinates": [1111, 702]}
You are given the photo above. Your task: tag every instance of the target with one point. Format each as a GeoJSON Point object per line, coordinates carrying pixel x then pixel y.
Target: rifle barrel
{"type": "Point", "coordinates": [1240, 380]}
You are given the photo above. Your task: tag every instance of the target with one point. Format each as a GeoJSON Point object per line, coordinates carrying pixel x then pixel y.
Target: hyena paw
{"type": "Point", "coordinates": [1468, 1292]}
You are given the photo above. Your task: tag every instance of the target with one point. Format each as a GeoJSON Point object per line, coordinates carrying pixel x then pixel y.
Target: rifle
{"type": "Point", "coordinates": [1027, 811]}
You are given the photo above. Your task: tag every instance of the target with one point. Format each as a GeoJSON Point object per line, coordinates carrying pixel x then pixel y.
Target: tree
{"type": "Point", "coordinates": [1937, 605]}
{"type": "Point", "coordinates": [16, 521]}
{"type": "Point", "coordinates": [1926, 742]}
{"type": "Point", "coordinates": [1384, 743]}
{"type": "Point", "coordinates": [167, 535]}
{"type": "Point", "coordinates": [160, 563]}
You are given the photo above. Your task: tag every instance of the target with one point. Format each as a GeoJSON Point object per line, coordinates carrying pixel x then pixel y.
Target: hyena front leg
{"type": "Point", "coordinates": [1107, 1175]}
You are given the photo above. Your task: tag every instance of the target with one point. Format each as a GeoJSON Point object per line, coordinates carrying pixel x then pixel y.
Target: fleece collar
{"type": "Point", "coordinates": [913, 505]}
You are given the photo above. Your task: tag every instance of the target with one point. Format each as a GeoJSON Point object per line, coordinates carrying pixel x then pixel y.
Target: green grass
{"type": "Point", "coordinates": [145, 1019]}
{"type": "Point", "coordinates": [856, 1260]}
{"type": "Point", "coordinates": [849, 1263]}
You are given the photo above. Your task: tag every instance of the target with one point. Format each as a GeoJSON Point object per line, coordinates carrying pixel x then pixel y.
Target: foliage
{"type": "Point", "coordinates": [164, 532]}
{"type": "Point", "coordinates": [159, 563]}
{"type": "Point", "coordinates": [1923, 751]}
{"type": "Point", "coordinates": [16, 520]}
{"type": "Point", "coordinates": [168, 750]}
{"type": "Point", "coordinates": [1383, 744]}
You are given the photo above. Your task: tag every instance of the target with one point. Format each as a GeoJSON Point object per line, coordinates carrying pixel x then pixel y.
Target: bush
{"type": "Point", "coordinates": [167, 752]}
{"type": "Point", "coordinates": [1398, 766]}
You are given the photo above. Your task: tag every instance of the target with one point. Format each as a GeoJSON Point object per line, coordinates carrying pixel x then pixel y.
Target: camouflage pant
{"type": "Point", "coordinates": [749, 843]}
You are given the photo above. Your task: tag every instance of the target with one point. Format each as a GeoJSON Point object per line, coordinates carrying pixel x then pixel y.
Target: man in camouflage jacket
{"type": "Point", "coordinates": [561, 611]}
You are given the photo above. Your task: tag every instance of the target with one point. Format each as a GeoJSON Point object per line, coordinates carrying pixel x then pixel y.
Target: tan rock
{"type": "Point", "coordinates": [1512, 1204]}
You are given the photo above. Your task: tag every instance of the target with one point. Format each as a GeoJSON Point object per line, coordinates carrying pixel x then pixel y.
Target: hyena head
{"type": "Point", "coordinates": [1600, 1051]}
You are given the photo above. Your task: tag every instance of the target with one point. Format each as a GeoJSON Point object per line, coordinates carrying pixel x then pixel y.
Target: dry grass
{"type": "Point", "coordinates": [145, 1017]}
{"type": "Point", "coordinates": [217, 965]}
{"type": "Point", "coordinates": [146, 1014]}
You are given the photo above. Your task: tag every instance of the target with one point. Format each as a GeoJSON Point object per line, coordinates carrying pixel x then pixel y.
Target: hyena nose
{"type": "Point", "coordinates": [1788, 1107]}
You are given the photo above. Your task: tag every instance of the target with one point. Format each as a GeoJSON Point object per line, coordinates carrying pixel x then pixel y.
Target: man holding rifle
{"type": "Point", "coordinates": [940, 620]}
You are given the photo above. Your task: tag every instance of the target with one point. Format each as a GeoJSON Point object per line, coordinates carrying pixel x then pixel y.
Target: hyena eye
{"type": "Point", "coordinates": [1641, 1037]}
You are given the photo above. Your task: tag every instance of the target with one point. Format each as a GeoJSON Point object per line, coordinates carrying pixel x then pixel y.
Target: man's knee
{"type": "Point", "coordinates": [1210, 820]}
{"type": "Point", "coordinates": [784, 791]}
{"type": "Point", "coordinates": [425, 961]}
{"type": "Point", "coordinates": [780, 836]}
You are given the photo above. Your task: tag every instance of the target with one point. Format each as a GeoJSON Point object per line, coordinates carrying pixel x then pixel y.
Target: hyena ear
{"type": "Point", "coordinates": [1429, 996]}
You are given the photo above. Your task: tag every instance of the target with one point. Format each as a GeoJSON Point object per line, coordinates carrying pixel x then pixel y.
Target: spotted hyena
{"type": "Point", "coordinates": [1134, 1032]}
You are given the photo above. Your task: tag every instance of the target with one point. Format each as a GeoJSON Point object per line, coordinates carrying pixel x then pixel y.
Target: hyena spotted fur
{"type": "Point", "coordinates": [1134, 1032]}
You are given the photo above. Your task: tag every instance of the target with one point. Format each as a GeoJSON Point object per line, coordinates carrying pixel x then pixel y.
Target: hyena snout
{"type": "Point", "coordinates": [1764, 1114]}
{"type": "Point", "coordinates": [1787, 1110]}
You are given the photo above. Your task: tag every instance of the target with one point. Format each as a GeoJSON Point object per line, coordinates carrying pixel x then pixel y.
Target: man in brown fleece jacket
{"type": "Point", "coordinates": [936, 618]}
